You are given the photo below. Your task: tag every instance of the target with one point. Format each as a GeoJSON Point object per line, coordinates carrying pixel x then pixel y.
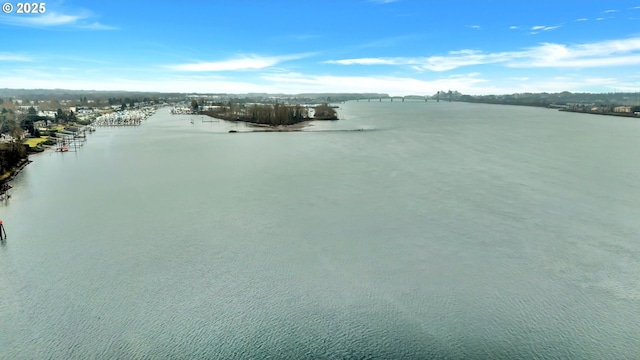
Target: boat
{"type": "Point", "coordinates": [63, 148]}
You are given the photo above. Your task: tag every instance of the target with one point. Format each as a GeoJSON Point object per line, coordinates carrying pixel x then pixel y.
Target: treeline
{"type": "Point", "coordinates": [546, 99]}
{"type": "Point", "coordinates": [273, 115]}
{"type": "Point", "coordinates": [130, 101]}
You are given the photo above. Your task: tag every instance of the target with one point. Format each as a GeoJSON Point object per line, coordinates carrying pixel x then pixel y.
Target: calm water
{"type": "Point", "coordinates": [443, 230]}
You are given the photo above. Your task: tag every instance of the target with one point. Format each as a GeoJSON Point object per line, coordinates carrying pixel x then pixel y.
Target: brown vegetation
{"type": "Point", "coordinates": [272, 115]}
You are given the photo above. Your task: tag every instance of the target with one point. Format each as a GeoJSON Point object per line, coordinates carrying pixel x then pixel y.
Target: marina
{"type": "Point", "coordinates": [125, 117]}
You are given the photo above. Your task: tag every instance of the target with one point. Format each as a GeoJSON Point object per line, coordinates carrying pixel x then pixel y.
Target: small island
{"type": "Point", "coordinates": [276, 117]}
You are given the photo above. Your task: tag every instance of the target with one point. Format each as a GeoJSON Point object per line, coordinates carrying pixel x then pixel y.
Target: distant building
{"type": "Point", "coordinates": [622, 109]}
{"type": "Point", "coordinates": [47, 113]}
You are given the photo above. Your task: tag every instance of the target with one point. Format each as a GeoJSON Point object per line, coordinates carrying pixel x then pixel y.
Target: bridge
{"type": "Point", "coordinates": [441, 95]}
{"type": "Point", "coordinates": [397, 98]}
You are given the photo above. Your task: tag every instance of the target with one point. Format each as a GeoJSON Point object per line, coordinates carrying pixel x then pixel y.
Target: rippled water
{"type": "Point", "coordinates": [444, 230]}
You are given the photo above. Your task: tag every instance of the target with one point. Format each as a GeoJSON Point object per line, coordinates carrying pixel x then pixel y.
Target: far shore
{"type": "Point", "coordinates": [620, 114]}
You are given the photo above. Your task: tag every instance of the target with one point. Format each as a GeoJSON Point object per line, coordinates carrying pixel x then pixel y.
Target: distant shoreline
{"type": "Point", "coordinates": [630, 115]}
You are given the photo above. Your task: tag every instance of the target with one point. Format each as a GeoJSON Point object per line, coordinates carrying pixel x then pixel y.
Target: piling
{"type": "Point", "coordinates": [3, 234]}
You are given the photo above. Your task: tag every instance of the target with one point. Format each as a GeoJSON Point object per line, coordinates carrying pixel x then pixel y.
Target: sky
{"type": "Point", "coordinates": [398, 47]}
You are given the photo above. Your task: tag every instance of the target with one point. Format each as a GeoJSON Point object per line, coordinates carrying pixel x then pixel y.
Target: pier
{"type": "Point", "coordinates": [400, 98]}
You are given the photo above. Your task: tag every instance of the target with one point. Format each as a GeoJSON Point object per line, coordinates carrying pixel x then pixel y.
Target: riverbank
{"type": "Point", "coordinates": [279, 128]}
{"type": "Point", "coordinates": [10, 175]}
{"type": "Point", "coordinates": [632, 115]}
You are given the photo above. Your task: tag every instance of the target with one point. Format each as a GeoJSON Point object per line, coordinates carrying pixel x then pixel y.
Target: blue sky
{"type": "Point", "coordinates": [397, 47]}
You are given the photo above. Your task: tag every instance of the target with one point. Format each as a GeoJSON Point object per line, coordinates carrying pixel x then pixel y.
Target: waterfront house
{"type": "Point", "coordinates": [622, 109]}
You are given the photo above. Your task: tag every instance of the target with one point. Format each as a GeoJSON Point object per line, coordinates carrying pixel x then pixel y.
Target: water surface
{"type": "Point", "coordinates": [443, 230]}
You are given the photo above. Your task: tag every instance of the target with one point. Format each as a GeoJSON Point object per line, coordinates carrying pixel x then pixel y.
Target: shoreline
{"type": "Point", "coordinates": [629, 115]}
{"type": "Point", "coordinates": [7, 177]}
{"type": "Point", "coordinates": [299, 126]}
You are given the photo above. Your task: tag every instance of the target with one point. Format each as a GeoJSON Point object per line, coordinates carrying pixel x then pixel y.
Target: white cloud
{"type": "Point", "coordinates": [476, 27]}
{"type": "Point", "coordinates": [291, 83]}
{"type": "Point", "coordinates": [250, 62]}
{"type": "Point", "coordinates": [513, 27]}
{"type": "Point", "coordinates": [14, 57]}
{"type": "Point", "coordinates": [610, 11]}
{"type": "Point", "coordinates": [371, 61]}
{"type": "Point", "coordinates": [453, 60]}
{"type": "Point", "coordinates": [97, 26]}
{"type": "Point", "coordinates": [581, 19]}
{"type": "Point", "coordinates": [384, 84]}
{"type": "Point", "coordinates": [52, 19]}
{"type": "Point", "coordinates": [612, 53]}
{"type": "Point", "coordinates": [544, 28]}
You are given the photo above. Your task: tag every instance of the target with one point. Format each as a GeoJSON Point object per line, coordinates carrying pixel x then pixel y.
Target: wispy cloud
{"type": "Point", "coordinates": [54, 19]}
{"type": "Point", "coordinates": [247, 62]}
{"type": "Point", "coordinates": [544, 28]}
{"type": "Point", "coordinates": [97, 26]}
{"type": "Point", "coordinates": [14, 57]}
{"type": "Point", "coordinates": [475, 27]}
{"type": "Point", "coordinates": [391, 41]}
{"type": "Point", "coordinates": [453, 60]}
{"type": "Point", "coordinates": [581, 19]}
{"type": "Point", "coordinates": [624, 52]}
{"type": "Point", "coordinates": [513, 27]}
{"type": "Point", "coordinates": [385, 84]}
{"type": "Point", "coordinates": [610, 11]}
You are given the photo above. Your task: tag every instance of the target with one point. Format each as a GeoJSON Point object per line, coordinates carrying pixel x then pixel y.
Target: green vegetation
{"type": "Point", "coordinates": [12, 155]}
{"type": "Point", "coordinates": [548, 99]}
{"type": "Point", "coordinates": [33, 142]}
{"type": "Point", "coordinates": [325, 112]}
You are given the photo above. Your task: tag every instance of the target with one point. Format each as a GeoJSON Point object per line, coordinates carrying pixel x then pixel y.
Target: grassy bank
{"type": "Point", "coordinates": [33, 142]}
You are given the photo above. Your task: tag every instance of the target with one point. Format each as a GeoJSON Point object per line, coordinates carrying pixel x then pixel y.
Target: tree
{"type": "Point", "coordinates": [16, 131]}
{"type": "Point", "coordinates": [61, 115]}
{"type": "Point", "coordinates": [325, 112]}
{"type": "Point", "coordinates": [194, 104]}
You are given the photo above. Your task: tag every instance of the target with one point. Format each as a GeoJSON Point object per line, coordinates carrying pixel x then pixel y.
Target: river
{"type": "Point", "coordinates": [443, 230]}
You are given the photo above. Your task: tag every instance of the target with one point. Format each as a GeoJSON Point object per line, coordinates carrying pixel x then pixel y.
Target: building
{"type": "Point", "coordinates": [622, 109]}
